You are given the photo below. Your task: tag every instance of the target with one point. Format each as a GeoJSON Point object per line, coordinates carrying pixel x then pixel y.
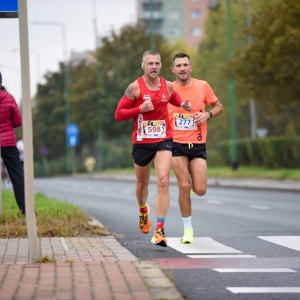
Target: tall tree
{"type": "Point", "coordinates": [268, 68]}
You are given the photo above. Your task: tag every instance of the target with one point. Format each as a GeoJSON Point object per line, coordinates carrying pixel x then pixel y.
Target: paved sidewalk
{"type": "Point", "coordinates": [79, 268]}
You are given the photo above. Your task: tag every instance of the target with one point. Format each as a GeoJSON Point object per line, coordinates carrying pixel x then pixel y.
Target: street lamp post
{"type": "Point", "coordinates": [66, 79]}
{"type": "Point", "coordinates": [97, 75]}
{"type": "Point", "coordinates": [252, 102]}
{"type": "Point", "coordinates": [231, 88]}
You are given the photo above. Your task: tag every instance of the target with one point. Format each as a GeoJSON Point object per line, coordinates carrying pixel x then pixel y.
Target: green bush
{"type": "Point", "coordinates": [273, 152]}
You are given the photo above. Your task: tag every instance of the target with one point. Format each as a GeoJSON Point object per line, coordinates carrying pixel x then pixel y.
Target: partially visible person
{"type": "Point", "coordinates": [10, 118]}
{"type": "Point", "coordinates": [146, 101]}
{"type": "Point", "coordinates": [4, 176]}
{"type": "Point", "coordinates": [189, 137]}
{"type": "Point", "coordinates": [20, 146]}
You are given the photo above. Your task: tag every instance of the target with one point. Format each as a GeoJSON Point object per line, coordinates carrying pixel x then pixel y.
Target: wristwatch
{"type": "Point", "coordinates": [210, 115]}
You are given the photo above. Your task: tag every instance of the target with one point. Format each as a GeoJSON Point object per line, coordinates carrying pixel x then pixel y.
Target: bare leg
{"type": "Point", "coordinates": [198, 169]}
{"type": "Point", "coordinates": [142, 182]}
{"type": "Point", "coordinates": [180, 166]}
{"type": "Point", "coordinates": [162, 163]}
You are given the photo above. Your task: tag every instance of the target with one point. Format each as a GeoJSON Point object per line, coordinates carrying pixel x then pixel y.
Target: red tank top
{"type": "Point", "coordinates": [152, 126]}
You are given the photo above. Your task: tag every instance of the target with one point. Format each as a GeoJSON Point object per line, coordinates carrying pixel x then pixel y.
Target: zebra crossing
{"type": "Point", "coordinates": [208, 249]}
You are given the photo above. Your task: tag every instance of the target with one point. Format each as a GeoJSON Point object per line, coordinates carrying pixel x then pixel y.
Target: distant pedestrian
{"type": "Point", "coordinates": [10, 118]}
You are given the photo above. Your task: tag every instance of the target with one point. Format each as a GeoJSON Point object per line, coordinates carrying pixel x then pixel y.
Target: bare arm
{"type": "Point", "coordinates": [202, 117]}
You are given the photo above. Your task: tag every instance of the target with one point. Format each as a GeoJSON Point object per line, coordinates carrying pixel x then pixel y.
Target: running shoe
{"type": "Point", "coordinates": [188, 237]}
{"type": "Point", "coordinates": [144, 223]}
{"type": "Point", "coordinates": [159, 238]}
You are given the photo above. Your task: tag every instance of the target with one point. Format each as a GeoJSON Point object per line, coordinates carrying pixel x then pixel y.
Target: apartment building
{"type": "Point", "coordinates": [175, 19]}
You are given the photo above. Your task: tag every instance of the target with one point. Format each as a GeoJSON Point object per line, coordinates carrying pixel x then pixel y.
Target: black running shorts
{"type": "Point", "coordinates": [144, 153]}
{"type": "Point", "coordinates": [189, 150]}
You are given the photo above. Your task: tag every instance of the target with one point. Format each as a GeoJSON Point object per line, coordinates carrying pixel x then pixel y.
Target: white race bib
{"type": "Point", "coordinates": [154, 129]}
{"type": "Point", "coordinates": [184, 122]}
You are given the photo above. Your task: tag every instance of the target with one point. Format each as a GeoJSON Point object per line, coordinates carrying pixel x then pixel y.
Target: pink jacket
{"type": "Point", "coordinates": [10, 117]}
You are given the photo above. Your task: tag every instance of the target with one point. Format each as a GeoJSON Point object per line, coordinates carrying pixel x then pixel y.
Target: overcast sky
{"type": "Point", "coordinates": [46, 42]}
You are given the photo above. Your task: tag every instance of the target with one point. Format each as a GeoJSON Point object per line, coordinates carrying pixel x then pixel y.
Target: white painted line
{"type": "Point", "coordinates": [260, 290]}
{"type": "Point", "coordinates": [214, 202]}
{"type": "Point", "coordinates": [292, 242]}
{"type": "Point", "coordinates": [64, 244]}
{"type": "Point", "coordinates": [256, 270]}
{"type": "Point", "coordinates": [260, 207]}
{"type": "Point", "coordinates": [223, 256]}
{"type": "Point", "coordinates": [201, 245]}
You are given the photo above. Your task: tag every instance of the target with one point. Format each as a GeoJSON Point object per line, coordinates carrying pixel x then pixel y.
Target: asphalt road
{"type": "Point", "coordinates": [247, 241]}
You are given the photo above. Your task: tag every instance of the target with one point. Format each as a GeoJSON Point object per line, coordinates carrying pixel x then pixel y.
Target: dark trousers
{"type": "Point", "coordinates": [11, 159]}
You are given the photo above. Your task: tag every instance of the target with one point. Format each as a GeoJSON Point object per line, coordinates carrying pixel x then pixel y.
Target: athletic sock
{"type": "Point", "coordinates": [143, 209]}
{"type": "Point", "coordinates": [187, 222]}
{"type": "Point", "coordinates": [160, 222]}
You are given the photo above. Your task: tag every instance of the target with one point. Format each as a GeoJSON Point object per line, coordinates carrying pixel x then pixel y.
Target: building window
{"type": "Point", "coordinates": [173, 14]}
{"type": "Point", "coordinates": [196, 14]}
{"type": "Point", "coordinates": [174, 32]}
{"type": "Point", "coordinates": [148, 14]}
{"type": "Point", "coordinates": [196, 31]}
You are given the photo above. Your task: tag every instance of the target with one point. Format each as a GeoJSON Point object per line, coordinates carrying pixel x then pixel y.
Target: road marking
{"type": "Point", "coordinates": [260, 207]}
{"type": "Point", "coordinates": [251, 290]}
{"type": "Point", "coordinates": [256, 270]}
{"type": "Point", "coordinates": [201, 245]}
{"type": "Point", "coordinates": [222, 256]}
{"type": "Point", "coordinates": [214, 202]}
{"type": "Point", "coordinates": [292, 242]}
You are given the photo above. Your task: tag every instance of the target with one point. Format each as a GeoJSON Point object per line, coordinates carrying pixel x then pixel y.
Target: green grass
{"type": "Point", "coordinates": [55, 218]}
{"type": "Point", "coordinates": [227, 172]}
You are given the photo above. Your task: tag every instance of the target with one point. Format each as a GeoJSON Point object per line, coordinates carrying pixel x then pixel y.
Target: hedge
{"type": "Point", "coordinates": [272, 152]}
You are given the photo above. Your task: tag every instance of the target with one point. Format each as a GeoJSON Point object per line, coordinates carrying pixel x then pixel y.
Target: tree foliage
{"type": "Point", "coordinates": [268, 68]}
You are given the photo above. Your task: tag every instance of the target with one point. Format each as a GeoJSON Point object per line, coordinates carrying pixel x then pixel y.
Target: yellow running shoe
{"type": "Point", "coordinates": [188, 237]}
{"type": "Point", "coordinates": [144, 223]}
{"type": "Point", "coordinates": [159, 238]}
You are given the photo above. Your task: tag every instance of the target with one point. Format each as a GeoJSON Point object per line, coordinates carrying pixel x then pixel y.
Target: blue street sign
{"type": "Point", "coordinates": [72, 131]}
{"type": "Point", "coordinates": [73, 140]}
{"type": "Point", "coordinates": [9, 9]}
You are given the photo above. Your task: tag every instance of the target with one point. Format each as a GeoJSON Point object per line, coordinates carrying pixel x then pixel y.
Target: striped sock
{"type": "Point", "coordinates": [160, 222]}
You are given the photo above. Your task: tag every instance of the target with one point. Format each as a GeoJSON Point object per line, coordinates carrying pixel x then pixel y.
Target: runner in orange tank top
{"type": "Point", "coordinates": [189, 137]}
{"type": "Point", "coordinates": [146, 101]}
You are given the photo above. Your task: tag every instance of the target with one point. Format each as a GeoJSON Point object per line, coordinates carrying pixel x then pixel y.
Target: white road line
{"type": "Point", "coordinates": [260, 290]}
{"type": "Point", "coordinates": [223, 256]}
{"type": "Point", "coordinates": [292, 242]}
{"type": "Point", "coordinates": [201, 245]}
{"type": "Point", "coordinates": [260, 207]}
{"type": "Point", "coordinates": [256, 270]}
{"type": "Point", "coordinates": [214, 202]}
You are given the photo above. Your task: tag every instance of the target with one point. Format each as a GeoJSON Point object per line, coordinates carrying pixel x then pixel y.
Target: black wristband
{"type": "Point", "coordinates": [210, 115]}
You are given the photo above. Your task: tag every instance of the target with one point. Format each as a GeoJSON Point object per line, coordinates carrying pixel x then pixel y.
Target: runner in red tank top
{"type": "Point", "coordinates": [189, 137]}
{"type": "Point", "coordinates": [146, 101]}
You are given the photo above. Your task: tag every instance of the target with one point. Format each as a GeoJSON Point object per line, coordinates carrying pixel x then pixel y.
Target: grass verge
{"type": "Point", "coordinates": [55, 218]}
{"type": "Point", "coordinates": [227, 172]}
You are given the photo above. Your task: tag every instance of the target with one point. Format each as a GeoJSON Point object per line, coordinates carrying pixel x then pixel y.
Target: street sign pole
{"type": "Point", "coordinates": [72, 132]}
{"type": "Point", "coordinates": [27, 134]}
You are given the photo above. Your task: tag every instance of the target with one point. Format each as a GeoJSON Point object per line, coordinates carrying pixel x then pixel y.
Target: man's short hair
{"type": "Point", "coordinates": [181, 55]}
{"type": "Point", "coordinates": [150, 52]}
